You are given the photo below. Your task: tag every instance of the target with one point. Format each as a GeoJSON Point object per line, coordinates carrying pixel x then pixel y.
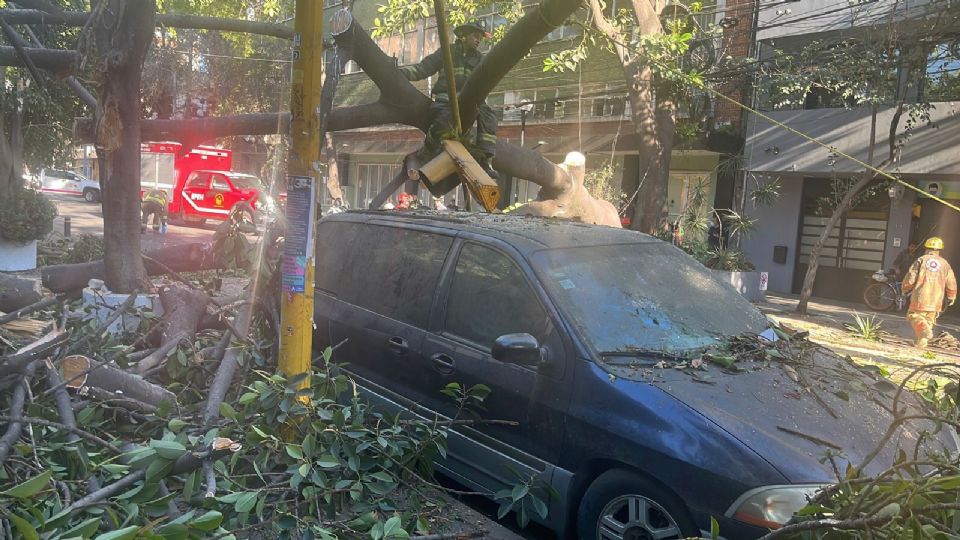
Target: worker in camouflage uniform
{"type": "Point", "coordinates": [466, 58]}
{"type": "Point", "coordinates": [154, 203]}
{"type": "Point", "coordinates": [930, 278]}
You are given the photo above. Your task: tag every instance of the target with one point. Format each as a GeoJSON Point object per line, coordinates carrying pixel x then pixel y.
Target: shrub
{"type": "Point", "coordinates": [26, 216]}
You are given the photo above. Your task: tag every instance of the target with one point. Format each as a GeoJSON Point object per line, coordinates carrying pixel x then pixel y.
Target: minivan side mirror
{"type": "Point", "coordinates": [522, 349]}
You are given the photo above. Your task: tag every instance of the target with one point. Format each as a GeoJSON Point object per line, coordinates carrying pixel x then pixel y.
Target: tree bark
{"type": "Point", "coordinates": [62, 63]}
{"type": "Point", "coordinates": [80, 372]}
{"type": "Point", "coordinates": [173, 20]}
{"type": "Point", "coordinates": [123, 36]}
{"type": "Point", "coordinates": [11, 152]}
{"type": "Point", "coordinates": [183, 308]}
{"type": "Point", "coordinates": [17, 292]}
{"type": "Point", "coordinates": [651, 113]}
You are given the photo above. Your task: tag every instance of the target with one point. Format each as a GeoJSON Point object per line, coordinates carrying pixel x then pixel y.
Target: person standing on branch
{"type": "Point", "coordinates": [930, 278]}
{"type": "Point", "coordinates": [466, 57]}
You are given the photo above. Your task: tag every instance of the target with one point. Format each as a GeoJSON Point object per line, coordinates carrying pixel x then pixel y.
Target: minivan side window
{"type": "Point", "coordinates": [490, 297]}
{"type": "Point", "coordinates": [393, 272]}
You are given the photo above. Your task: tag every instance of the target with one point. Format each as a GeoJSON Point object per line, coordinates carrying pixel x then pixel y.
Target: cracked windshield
{"type": "Point", "coordinates": [479, 269]}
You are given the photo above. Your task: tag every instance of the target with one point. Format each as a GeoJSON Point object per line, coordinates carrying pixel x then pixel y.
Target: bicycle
{"type": "Point", "coordinates": [885, 292]}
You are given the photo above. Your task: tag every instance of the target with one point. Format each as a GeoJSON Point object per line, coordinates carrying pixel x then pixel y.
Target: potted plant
{"type": "Point", "coordinates": [25, 217]}
{"type": "Point", "coordinates": [729, 263]}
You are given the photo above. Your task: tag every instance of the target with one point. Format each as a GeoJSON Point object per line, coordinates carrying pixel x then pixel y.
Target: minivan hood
{"type": "Point", "coordinates": [792, 412]}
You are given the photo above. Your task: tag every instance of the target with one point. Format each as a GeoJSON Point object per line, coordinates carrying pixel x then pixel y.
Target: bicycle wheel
{"type": "Point", "coordinates": [880, 296]}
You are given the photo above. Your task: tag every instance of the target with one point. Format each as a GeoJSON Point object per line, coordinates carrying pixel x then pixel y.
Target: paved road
{"type": "Point", "coordinates": [87, 218]}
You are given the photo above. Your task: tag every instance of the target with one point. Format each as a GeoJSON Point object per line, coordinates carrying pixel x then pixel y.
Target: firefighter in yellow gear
{"type": "Point", "coordinates": [930, 278]}
{"type": "Point", "coordinates": [154, 203]}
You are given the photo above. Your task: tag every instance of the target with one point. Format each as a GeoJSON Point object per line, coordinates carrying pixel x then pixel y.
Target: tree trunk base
{"type": "Point", "coordinates": [17, 292]}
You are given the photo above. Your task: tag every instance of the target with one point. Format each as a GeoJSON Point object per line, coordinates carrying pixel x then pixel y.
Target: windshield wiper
{"type": "Point", "coordinates": [651, 353]}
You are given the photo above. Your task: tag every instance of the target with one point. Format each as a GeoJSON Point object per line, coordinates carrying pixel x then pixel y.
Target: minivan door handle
{"type": "Point", "coordinates": [398, 345]}
{"type": "Point", "coordinates": [442, 363]}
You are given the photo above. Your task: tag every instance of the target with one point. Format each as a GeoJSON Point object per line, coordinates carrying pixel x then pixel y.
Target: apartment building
{"type": "Point", "coordinates": [813, 175]}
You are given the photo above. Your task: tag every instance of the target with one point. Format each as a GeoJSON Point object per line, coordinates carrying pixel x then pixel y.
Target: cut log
{"type": "Point", "coordinates": [17, 292]}
{"type": "Point", "coordinates": [79, 372]}
{"type": "Point", "coordinates": [69, 278]}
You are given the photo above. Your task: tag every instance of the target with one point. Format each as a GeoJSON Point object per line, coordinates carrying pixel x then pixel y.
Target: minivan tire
{"type": "Point", "coordinates": [612, 494]}
{"type": "Point", "coordinates": [91, 195]}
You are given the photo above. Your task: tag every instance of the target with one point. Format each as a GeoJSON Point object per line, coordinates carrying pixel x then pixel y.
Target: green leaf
{"type": "Point", "coordinates": [540, 507]}
{"type": "Point", "coordinates": [227, 411]}
{"type": "Point", "coordinates": [168, 449]}
{"type": "Point", "coordinates": [176, 424]}
{"type": "Point", "coordinates": [30, 487]}
{"type": "Point", "coordinates": [207, 522]}
{"type": "Point", "coordinates": [246, 502]}
{"type": "Point", "coordinates": [327, 462]}
{"type": "Point", "coordinates": [24, 527]}
{"type": "Point", "coordinates": [83, 530]}
{"type": "Point", "coordinates": [393, 528]}
{"type": "Point", "coordinates": [714, 529]}
{"type": "Point", "coordinates": [126, 533]}
{"type": "Point", "coordinates": [376, 533]}
{"type": "Point", "coordinates": [519, 492]}
{"type": "Point", "coordinates": [294, 451]}
{"type": "Point", "coordinates": [504, 509]}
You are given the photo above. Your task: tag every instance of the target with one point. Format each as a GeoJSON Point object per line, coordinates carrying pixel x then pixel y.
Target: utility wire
{"type": "Point", "coordinates": [867, 166]}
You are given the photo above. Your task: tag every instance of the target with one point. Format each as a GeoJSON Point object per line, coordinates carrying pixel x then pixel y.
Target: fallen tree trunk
{"type": "Point", "coordinates": [183, 309]}
{"type": "Point", "coordinates": [17, 292]}
{"type": "Point", "coordinates": [172, 20]}
{"type": "Point", "coordinates": [62, 63]}
{"type": "Point", "coordinates": [195, 131]}
{"type": "Point", "coordinates": [66, 278]}
{"type": "Point", "coordinates": [80, 372]}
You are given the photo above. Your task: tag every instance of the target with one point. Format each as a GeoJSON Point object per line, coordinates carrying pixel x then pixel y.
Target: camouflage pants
{"type": "Point", "coordinates": [441, 126]}
{"type": "Point", "coordinates": [923, 323]}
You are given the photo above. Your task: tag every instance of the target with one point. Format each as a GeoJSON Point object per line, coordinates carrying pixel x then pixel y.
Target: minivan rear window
{"type": "Point", "coordinates": [388, 270]}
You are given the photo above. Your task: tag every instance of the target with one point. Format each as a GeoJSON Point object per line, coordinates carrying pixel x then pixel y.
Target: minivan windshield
{"type": "Point", "coordinates": [644, 297]}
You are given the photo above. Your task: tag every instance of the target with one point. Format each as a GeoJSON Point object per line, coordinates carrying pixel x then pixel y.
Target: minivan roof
{"type": "Point", "coordinates": [526, 233]}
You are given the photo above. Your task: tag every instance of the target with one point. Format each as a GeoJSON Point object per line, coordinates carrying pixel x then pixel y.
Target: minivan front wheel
{"type": "Point", "coordinates": [621, 505]}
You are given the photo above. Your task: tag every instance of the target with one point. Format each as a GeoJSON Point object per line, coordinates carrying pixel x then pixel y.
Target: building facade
{"type": "Point", "coordinates": [813, 175]}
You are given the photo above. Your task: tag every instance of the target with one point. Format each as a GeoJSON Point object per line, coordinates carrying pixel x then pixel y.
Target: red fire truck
{"type": "Point", "coordinates": [199, 183]}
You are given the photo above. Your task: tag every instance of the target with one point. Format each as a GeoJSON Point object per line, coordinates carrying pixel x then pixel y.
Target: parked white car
{"type": "Point", "coordinates": [69, 183]}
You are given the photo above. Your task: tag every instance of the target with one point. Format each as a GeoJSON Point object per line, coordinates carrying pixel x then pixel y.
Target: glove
{"type": "Point", "coordinates": [951, 301]}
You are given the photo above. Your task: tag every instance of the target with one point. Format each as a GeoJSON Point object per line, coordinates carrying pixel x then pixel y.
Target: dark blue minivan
{"type": "Point", "coordinates": [577, 329]}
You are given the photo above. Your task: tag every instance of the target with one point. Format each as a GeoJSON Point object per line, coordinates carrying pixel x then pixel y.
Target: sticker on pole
{"type": "Point", "coordinates": [764, 280]}
{"type": "Point", "coordinates": [301, 212]}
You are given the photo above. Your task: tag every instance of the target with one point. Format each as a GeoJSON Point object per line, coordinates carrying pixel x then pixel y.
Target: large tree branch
{"type": "Point", "coordinates": [379, 113]}
{"type": "Point", "coordinates": [173, 20]}
{"type": "Point", "coordinates": [196, 131]}
{"type": "Point", "coordinates": [60, 62]}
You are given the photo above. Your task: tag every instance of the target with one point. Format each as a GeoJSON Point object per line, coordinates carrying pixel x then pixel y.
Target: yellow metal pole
{"type": "Point", "coordinates": [297, 265]}
{"type": "Point", "coordinates": [448, 63]}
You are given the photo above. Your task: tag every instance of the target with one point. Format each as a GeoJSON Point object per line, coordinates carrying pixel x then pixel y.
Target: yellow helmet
{"type": "Point", "coordinates": [934, 242]}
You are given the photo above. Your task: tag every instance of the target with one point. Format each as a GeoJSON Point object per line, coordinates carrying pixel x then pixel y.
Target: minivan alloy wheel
{"type": "Point", "coordinates": [634, 517]}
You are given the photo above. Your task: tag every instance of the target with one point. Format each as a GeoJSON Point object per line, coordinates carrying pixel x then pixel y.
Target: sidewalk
{"type": "Point", "coordinates": [826, 319]}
